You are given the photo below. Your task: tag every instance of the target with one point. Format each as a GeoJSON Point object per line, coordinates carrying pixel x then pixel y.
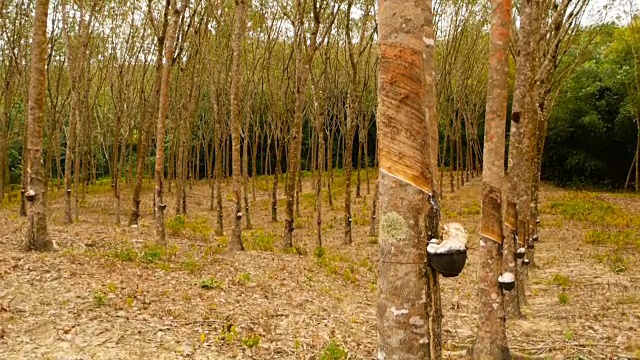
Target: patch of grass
{"type": "Point", "coordinates": [614, 260]}
{"type": "Point", "coordinates": [472, 209]}
{"type": "Point", "coordinates": [568, 335]}
{"type": "Point", "coordinates": [197, 228]}
{"type": "Point", "coordinates": [251, 341]}
{"type": "Point", "coordinates": [211, 283]}
{"type": "Point", "coordinates": [301, 223]}
{"type": "Point", "coordinates": [152, 253]}
{"type": "Point", "coordinates": [362, 217]}
{"type": "Point", "coordinates": [561, 280]}
{"type": "Point", "coordinates": [99, 298]}
{"type": "Point", "coordinates": [228, 333]}
{"type": "Point", "coordinates": [333, 351]}
{"type": "Point", "coordinates": [588, 208]}
{"type": "Point", "coordinates": [615, 238]}
{"type": "Point", "coordinates": [191, 265]}
{"type": "Point", "coordinates": [295, 250]}
{"type": "Point", "coordinates": [348, 275]}
{"type": "Point", "coordinates": [125, 254]}
{"type": "Point", "coordinates": [319, 252]}
{"type": "Point", "coordinates": [259, 240]}
{"type": "Point", "coordinates": [563, 298]}
{"type": "Point", "coordinates": [129, 301]}
{"type": "Point", "coordinates": [244, 278]}
{"type": "Point", "coordinates": [308, 200]}
{"type": "Point", "coordinates": [112, 287]}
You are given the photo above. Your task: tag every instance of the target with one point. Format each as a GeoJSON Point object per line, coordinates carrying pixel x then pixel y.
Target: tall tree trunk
{"type": "Point", "coordinates": [347, 162]}
{"type": "Point", "coordinates": [520, 150]}
{"type": "Point", "coordinates": [37, 235]}
{"type": "Point", "coordinates": [163, 107]}
{"type": "Point", "coordinates": [245, 174]}
{"type": "Point", "coordinates": [276, 177]}
{"type": "Point", "coordinates": [218, 179]}
{"type": "Point", "coordinates": [373, 226]}
{"type": "Point", "coordinates": [491, 339]}
{"type": "Point", "coordinates": [405, 131]}
{"type": "Point", "coordinates": [235, 243]}
{"type": "Point", "coordinates": [146, 128]}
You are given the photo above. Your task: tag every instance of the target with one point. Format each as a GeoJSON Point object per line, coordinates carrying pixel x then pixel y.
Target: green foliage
{"type": "Point", "coordinates": [99, 298]}
{"type": "Point", "coordinates": [319, 252]}
{"type": "Point", "coordinates": [125, 254]}
{"type": "Point", "coordinates": [568, 335]}
{"type": "Point", "coordinates": [251, 341]}
{"type": "Point", "coordinates": [591, 131]}
{"type": "Point", "coordinates": [561, 280]}
{"type": "Point", "coordinates": [259, 240]}
{"type": "Point", "coordinates": [614, 238]}
{"type": "Point", "coordinates": [152, 253]}
{"type": "Point", "coordinates": [211, 283]}
{"type": "Point", "coordinates": [244, 278]}
{"type": "Point", "coordinates": [191, 265]}
{"type": "Point", "coordinates": [588, 208]}
{"type": "Point", "coordinates": [614, 260]}
{"type": "Point", "coordinates": [229, 333]}
{"type": "Point", "coordinates": [197, 228]}
{"type": "Point", "coordinates": [563, 298]}
{"type": "Point", "coordinates": [333, 351]}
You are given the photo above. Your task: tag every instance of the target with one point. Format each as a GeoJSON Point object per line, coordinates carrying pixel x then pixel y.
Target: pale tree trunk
{"type": "Point", "coordinates": [347, 160]}
{"type": "Point", "coordinates": [146, 125]}
{"type": "Point", "coordinates": [235, 242]}
{"type": "Point", "coordinates": [373, 226]}
{"type": "Point", "coordinates": [37, 235]}
{"type": "Point", "coordinates": [405, 131]}
{"type": "Point", "coordinates": [163, 107]}
{"type": "Point", "coordinates": [319, 105]}
{"type": "Point", "coordinates": [278, 170]}
{"type": "Point", "coordinates": [491, 339]}
{"type": "Point", "coordinates": [245, 174]}
{"type": "Point", "coordinates": [520, 151]}
{"type": "Point", "coordinates": [218, 180]}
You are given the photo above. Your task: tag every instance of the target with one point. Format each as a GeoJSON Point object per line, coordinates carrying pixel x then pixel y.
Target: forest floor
{"type": "Point", "coordinates": [104, 294]}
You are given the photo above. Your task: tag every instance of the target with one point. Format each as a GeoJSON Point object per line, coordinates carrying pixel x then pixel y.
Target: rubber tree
{"type": "Point", "coordinates": [36, 234]}
{"type": "Point", "coordinates": [491, 339]}
{"type": "Point", "coordinates": [407, 149]}
{"type": "Point", "coordinates": [235, 243]}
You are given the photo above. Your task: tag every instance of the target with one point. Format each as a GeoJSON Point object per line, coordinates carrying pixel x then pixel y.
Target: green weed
{"type": "Point", "coordinates": [244, 278]}
{"type": "Point", "coordinates": [191, 265]}
{"type": "Point", "coordinates": [211, 283]}
{"type": "Point", "coordinates": [619, 239]}
{"type": "Point", "coordinates": [561, 280]}
{"type": "Point", "coordinates": [228, 333]}
{"type": "Point", "coordinates": [586, 207]}
{"type": "Point", "coordinates": [333, 351]}
{"type": "Point", "coordinates": [259, 240]}
{"type": "Point", "coordinates": [251, 341]}
{"type": "Point", "coordinates": [568, 335]}
{"type": "Point", "coordinates": [99, 298]}
{"type": "Point", "coordinates": [563, 298]}
{"type": "Point", "coordinates": [125, 254]}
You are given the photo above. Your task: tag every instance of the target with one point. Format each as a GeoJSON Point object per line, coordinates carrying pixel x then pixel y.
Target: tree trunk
{"type": "Point", "coordinates": [163, 107]}
{"type": "Point", "coordinates": [404, 133]}
{"type": "Point", "coordinates": [37, 235]}
{"type": "Point", "coordinates": [218, 179]}
{"type": "Point", "coordinates": [276, 178]}
{"type": "Point", "coordinates": [245, 174]}
{"type": "Point", "coordinates": [235, 242]}
{"type": "Point", "coordinates": [347, 163]}
{"type": "Point", "coordinates": [373, 226]}
{"type": "Point", "coordinates": [491, 339]}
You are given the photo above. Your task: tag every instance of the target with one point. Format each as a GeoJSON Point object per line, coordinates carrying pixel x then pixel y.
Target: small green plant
{"type": "Point", "coordinates": [472, 209]}
{"type": "Point", "coordinates": [296, 344]}
{"type": "Point", "coordinates": [333, 351]}
{"type": "Point", "coordinates": [319, 252]}
{"type": "Point", "coordinates": [152, 253]}
{"type": "Point", "coordinates": [244, 278]}
{"type": "Point", "coordinates": [99, 298]}
{"type": "Point", "coordinates": [125, 254]}
{"type": "Point", "coordinates": [112, 287]}
{"type": "Point", "coordinates": [211, 283]}
{"type": "Point", "coordinates": [295, 250]}
{"type": "Point", "coordinates": [251, 341]}
{"type": "Point", "coordinates": [259, 240]}
{"type": "Point", "coordinates": [175, 226]}
{"type": "Point", "coordinates": [130, 301]}
{"type": "Point", "coordinates": [568, 335]}
{"type": "Point", "coordinates": [348, 275]}
{"type": "Point", "coordinates": [191, 265]}
{"type": "Point", "coordinates": [228, 333]}
{"type": "Point", "coordinates": [561, 280]}
{"type": "Point", "coordinates": [563, 298]}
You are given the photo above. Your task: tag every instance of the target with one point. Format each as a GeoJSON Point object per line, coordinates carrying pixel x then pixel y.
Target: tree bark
{"type": "Point", "coordinates": [235, 242]}
{"type": "Point", "coordinates": [163, 108]}
{"type": "Point", "coordinates": [491, 339]}
{"type": "Point", "coordinates": [37, 235]}
{"type": "Point", "coordinates": [405, 180]}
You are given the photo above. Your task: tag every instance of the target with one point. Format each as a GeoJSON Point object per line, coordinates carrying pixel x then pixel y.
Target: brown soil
{"type": "Point", "coordinates": [82, 302]}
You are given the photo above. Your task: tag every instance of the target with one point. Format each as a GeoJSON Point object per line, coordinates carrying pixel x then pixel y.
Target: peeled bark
{"type": "Point", "coordinates": [37, 235]}
{"type": "Point", "coordinates": [491, 339]}
{"type": "Point", "coordinates": [406, 181]}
